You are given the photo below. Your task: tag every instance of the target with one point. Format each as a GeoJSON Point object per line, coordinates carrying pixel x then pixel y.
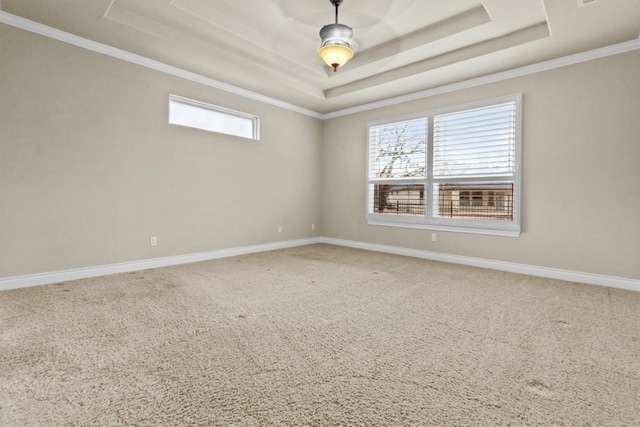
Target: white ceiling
{"type": "Point", "coordinates": [269, 46]}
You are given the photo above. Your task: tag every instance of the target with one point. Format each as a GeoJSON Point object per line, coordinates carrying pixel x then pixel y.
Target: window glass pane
{"type": "Point", "coordinates": [398, 150]}
{"type": "Point", "coordinates": [477, 142]}
{"type": "Point", "coordinates": [487, 201]}
{"type": "Point", "coordinates": [198, 115]}
{"type": "Point", "coordinates": [401, 199]}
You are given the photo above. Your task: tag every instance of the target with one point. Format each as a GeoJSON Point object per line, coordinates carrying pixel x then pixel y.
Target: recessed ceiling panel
{"type": "Point", "coordinates": [270, 46]}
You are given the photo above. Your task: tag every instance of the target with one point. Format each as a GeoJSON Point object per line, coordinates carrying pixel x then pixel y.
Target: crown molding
{"type": "Point", "coordinates": [519, 37]}
{"type": "Point", "coordinates": [493, 78]}
{"type": "Point", "coordinates": [44, 30]}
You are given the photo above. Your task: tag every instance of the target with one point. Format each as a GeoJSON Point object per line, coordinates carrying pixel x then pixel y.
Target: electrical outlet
{"type": "Point", "coordinates": [313, 226]}
{"type": "Point", "coordinates": [279, 229]}
{"type": "Point", "coordinates": [153, 241]}
{"type": "Point", "coordinates": [434, 237]}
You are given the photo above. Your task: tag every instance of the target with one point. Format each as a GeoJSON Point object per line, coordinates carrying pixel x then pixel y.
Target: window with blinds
{"type": "Point", "coordinates": [397, 167]}
{"type": "Point", "coordinates": [477, 142]}
{"type": "Point", "coordinates": [455, 169]}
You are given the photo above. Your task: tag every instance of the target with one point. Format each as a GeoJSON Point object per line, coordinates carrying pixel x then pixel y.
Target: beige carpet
{"type": "Point", "coordinates": [319, 336]}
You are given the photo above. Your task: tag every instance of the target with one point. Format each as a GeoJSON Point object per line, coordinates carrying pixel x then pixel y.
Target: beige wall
{"type": "Point", "coordinates": [90, 169]}
{"type": "Point", "coordinates": [581, 172]}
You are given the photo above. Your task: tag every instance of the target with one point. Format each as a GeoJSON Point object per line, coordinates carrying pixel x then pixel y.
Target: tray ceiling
{"type": "Point", "coordinates": [404, 46]}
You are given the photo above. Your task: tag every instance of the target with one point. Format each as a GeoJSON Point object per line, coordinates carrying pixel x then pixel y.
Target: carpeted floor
{"type": "Point", "coordinates": [319, 336]}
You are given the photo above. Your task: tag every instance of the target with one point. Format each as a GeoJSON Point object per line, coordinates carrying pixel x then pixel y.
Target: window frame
{"type": "Point", "coordinates": [428, 220]}
{"type": "Point", "coordinates": [255, 120]}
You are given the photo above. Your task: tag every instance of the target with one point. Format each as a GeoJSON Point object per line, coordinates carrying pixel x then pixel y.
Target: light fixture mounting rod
{"type": "Point", "coordinates": [336, 3]}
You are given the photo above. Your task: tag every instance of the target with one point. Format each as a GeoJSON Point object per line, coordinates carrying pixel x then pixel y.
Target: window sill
{"type": "Point", "coordinates": [503, 232]}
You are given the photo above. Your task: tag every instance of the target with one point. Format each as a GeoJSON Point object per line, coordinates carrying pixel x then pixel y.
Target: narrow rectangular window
{"type": "Point", "coordinates": [200, 115]}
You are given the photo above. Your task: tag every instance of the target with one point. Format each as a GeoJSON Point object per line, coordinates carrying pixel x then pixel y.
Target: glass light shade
{"type": "Point", "coordinates": [335, 55]}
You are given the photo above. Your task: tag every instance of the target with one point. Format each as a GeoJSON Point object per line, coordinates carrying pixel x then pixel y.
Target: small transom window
{"type": "Point", "coordinates": [200, 115]}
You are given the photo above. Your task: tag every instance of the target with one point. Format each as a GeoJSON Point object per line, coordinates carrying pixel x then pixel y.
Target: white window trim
{"type": "Point", "coordinates": [255, 120]}
{"type": "Point", "coordinates": [428, 222]}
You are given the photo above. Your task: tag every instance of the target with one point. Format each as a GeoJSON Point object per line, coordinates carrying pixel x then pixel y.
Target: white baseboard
{"type": "Point", "coordinates": [103, 270]}
{"type": "Point", "coordinates": [532, 270]}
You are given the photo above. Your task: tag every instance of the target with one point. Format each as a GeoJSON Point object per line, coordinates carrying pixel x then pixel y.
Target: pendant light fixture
{"type": "Point", "coordinates": [336, 47]}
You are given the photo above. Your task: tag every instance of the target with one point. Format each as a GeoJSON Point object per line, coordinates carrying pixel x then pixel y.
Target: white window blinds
{"type": "Point", "coordinates": [474, 143]}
